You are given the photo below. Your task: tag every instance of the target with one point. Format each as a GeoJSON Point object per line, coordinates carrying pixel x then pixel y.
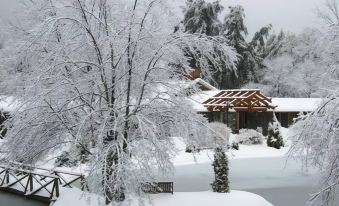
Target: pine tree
{"type": "Point", "coordinates": [220, 164]}
{"type": "Point", "coordinates": [235, 31]}
{"type": "Point", "coordinates": [274, 137]}
{"type": "Point", "coordinates": [259, 41]}
{"type": "Point", "coordinates": [201, 17]}
{"type": "Point", "coordinates": [267, 45]}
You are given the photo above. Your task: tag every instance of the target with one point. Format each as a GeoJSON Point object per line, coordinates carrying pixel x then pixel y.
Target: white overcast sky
{"type": "Point", "coordinates": [289, 15]}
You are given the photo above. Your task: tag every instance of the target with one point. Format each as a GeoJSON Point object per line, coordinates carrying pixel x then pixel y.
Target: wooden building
{"type": "Point", "coordinates": [248, 108]}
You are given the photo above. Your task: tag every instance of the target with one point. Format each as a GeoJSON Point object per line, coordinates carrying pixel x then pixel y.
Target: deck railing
{"type": "Point", "coordinates": [36, 182]}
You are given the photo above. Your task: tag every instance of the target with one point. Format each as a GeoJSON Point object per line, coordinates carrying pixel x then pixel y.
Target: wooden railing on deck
{"type": "Point", "coordinates": [29, 181]}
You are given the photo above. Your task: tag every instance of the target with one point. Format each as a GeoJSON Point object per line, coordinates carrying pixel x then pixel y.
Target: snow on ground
{"type": "Point", "coordinates": [235, 198]}
{"type": "Point", "coordinates": [245, 151]}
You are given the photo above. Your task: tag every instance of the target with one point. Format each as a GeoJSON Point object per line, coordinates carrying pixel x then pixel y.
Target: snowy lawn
{"type": "Point", "coordinates": [244, 152]}
{"type": "Point", "coordinates": [235, 198]}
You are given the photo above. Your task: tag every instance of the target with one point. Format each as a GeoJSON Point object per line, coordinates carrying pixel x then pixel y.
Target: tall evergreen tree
{"type": "Point", "coordinates": [273, 44]}
{"type": "Point", "coordinates": [202, 17]}
{"type": "Point", "coordinates": [259, 41]}
{"type": "Point", "coordinates": [235, 30]}
{"type": "Point", "coordinates": [220, 165]}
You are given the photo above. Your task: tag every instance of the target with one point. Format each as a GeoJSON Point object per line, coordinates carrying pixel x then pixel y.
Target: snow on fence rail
{"type": "Point", "coordinates": [36, 182]}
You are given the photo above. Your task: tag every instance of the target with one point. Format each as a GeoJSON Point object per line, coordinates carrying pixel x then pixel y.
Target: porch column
{"type": "Point", "coordinates": [237, 119]}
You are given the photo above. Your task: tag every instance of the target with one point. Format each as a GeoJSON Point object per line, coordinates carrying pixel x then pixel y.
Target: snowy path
{"type": "Point", "coordinates": [270, 178]}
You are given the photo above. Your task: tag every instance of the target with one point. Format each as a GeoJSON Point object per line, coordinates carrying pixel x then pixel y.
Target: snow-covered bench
{"type": "Point", "coordinates": [158, 187]}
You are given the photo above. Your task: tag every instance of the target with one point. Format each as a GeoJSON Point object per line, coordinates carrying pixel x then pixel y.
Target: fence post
{"type": "Point", "coordinates": [56, 184]}
{"type": "Point", "coordinates": [30, 180]}
{"type": "Point", "coordinates": [7, 176]}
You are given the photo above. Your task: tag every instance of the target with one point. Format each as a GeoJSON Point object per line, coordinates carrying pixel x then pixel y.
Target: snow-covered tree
{"type": "Point", "coordinates": [317, 133]}
{"type": "Point", "coordinates": [316, 140]}
{"type": "Point", "coordinates": [234, 27]}
{"type": "Point", "coordinates": [266, 44]}
{"type": "Point", "coordinates": [330, 13]}
{"type": "Point", "coordinates": [220, 165]}
{"type": "Point", "coordinates": [235, 31]}
{"type": "Point", "coordinates": [273, 44]}
{"type": "Point", "coordinates": [202, 17]}
{"type": "Point", "coordinates": [259, 41]}
{"type": "Point", "coordinates": [295, 68]}
{"type": "Point", "coordinates": [219, 133]}
{"type": "Point", "coordinates": [99, 77]}
{"type": "Point", "coordinates": [274, 138]}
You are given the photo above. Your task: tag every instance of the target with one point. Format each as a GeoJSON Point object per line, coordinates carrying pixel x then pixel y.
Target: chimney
{"type": "Point", "coordinates": [196, 73]}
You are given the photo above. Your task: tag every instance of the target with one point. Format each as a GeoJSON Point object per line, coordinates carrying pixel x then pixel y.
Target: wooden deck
{"type": "Point", "coordinates": [36, 182]}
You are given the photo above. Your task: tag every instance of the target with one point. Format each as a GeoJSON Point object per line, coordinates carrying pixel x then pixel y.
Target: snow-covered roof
{"type": "Point", "coordinates": [283, 104]}
{"type": "Point", "coordinates": [296, 104]}
{"type": "Point", "coordinates": [205, 84]}
{"type": "Point", "coordinates": [248, 100]}
{"type": "Point", "coordinates": [202, 83]}
{"type": "Point", "coordinates": [198, 98]}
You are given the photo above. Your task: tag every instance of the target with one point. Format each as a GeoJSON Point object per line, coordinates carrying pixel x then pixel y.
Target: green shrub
{"type": "Point", "coordinates": [220, 165]}
{"type": "Point", "coordinates": [274, 137]}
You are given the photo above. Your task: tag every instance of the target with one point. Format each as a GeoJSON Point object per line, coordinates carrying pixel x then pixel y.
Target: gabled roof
{"type": "Point", "coordinates": [239, 100]}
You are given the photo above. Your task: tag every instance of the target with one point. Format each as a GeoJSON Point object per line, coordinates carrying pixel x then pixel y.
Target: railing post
{"type": "Point", "coordinates": [30, 179]}
{"type": "Point", "coordinates": [7, 176]}
{"type": "Point", "coordinates": [56, 184]}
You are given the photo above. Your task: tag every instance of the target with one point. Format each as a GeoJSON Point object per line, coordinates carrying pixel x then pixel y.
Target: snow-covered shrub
{"type": "Point", "coordinates": [192, 149]}
{"type": "Point", "coordinates": [275, 138]}
{"type": "Point", "coordinates": [72, 157]}
{"type": "Point", "coordinates": [250, 136]}
{"type": "Point", "coordinates": [66, 160]}
{"type": "Point", "coordinates": [220, 165]}
{"type": "Point", "coordinates": [234, 145]}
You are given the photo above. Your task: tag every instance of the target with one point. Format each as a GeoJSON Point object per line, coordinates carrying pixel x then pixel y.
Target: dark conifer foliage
{"type": "Point", "coordinates": [220, 165]}
{"type": "Point", "coordinates": [259, 41]}
{"type": "Point", "coordinates": [202, 17]}
{"type": "Point", "coordinates": [235, 31]}
{"type": "Point", "coordinates": [274, 137]}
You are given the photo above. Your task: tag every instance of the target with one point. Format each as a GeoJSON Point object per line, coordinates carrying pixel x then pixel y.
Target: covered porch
{"type": "Point", "coordinates": [242, 109]}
